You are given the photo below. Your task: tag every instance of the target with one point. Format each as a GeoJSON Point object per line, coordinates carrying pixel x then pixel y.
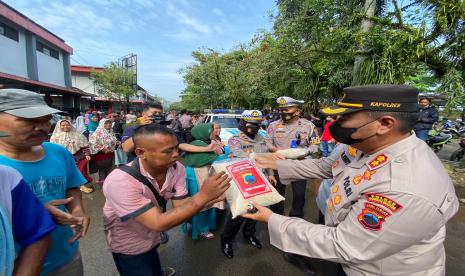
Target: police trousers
{"type": "Point", "coordinates": [299, 189]}
{"type": "Point", "coordinates": [233, 226]}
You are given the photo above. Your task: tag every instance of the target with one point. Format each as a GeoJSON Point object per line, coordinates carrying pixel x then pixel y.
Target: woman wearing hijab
{"type": "Point", "coordinates": [66, 135]}
{"type": "Point", "coordinates": [197, 167]}
{"type": "Point", "coordinates": [102, 146]}
{"type": "Point", "coordinates": [93, 124]}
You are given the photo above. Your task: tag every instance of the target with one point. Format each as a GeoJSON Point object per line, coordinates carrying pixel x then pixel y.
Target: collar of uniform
{"type": "Point", "coordinates": [299, 121]}
{"type": "Point", "coordinates": [247, 138]}
{"type": "Point", "coordinates": [386, 155]}
{"type": "Point", "coordinates": [354, 156]}
{"type": "Point", "coordinates": [169, 173]}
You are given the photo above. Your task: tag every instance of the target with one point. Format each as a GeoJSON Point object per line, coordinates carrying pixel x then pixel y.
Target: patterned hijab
{"type": "Point", "coordinates": [102, 138]}
{"type": "Point", "coordinates": [72, 140]}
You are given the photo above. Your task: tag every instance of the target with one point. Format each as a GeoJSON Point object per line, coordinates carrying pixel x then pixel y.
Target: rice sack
{"type": "Point", "coordinates": [294, 153]}
{"type": "Point", "coordinates": [248, 184]}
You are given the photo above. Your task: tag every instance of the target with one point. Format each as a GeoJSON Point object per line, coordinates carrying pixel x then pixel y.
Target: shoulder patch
{"type": "Point", "coordinates": [233, 141]}
{"type": "Point", "coordinates": [371, 219]}
{"type": "Point", "coordinates": [385, 201]}
{"type": "Point", "coordinates": [378, 161]}
{"type": "Point", "coordinates": [269, 130]}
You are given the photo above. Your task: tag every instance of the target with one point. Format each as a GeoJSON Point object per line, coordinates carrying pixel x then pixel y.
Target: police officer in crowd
{"type": "Point", "coordinates": [390, 199]}
{"type": "Point", "coordinates": [280, 135]}
{"type": "Point", "coordinates": [242, 145]}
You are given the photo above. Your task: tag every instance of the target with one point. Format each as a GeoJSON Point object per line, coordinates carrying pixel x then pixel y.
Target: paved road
{"type": "Point", "coordinates": [203, 257]}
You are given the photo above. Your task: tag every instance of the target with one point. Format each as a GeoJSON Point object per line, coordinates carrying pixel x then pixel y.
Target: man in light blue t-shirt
{"type": "Point", "coordinates": [50, 172]}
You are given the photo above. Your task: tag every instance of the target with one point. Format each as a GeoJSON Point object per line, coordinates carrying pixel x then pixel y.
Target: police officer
{"type": "Point", "coordinates": [390, 199]}
{"type": "Point", "coordinates": [242, 145]}
{"type": "Point", "coordinates": [280, 135]}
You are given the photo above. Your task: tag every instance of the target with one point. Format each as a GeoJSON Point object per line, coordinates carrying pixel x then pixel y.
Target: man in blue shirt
{"type": "Point", "coordinates": [50, 172]}
{"type": "Point", "coordinates": [24, 221]}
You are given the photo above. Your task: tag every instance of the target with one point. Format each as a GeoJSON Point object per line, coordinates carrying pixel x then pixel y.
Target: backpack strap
{"type": "Point", "coordinates": [134, 171]}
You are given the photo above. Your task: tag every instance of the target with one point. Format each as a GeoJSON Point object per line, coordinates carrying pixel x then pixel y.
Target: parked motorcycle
{"type": "Point", "coordinates": [458, 154]}
{"type": "Point", "coordinates": [436, 140]}
{"type": "Point", "coordinates": [455, 128]}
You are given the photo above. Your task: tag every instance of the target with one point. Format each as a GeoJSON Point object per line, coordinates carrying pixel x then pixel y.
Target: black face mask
{"type": "Point", "coordinates": [249, 129]}
{"type": "Point", "coordinates": [344, 134]}
{"type": "Point", "coordinates": [287, 116]}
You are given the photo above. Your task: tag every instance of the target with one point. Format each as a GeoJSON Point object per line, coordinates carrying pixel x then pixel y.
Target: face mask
{"type": "Point", "coordinates": [287, 116]}
{"type": "Point", "coordinates": [249, 129]}
{"type": "Point", "coordinates": [344, 134]}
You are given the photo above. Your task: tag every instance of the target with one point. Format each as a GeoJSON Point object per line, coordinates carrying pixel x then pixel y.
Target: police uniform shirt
{"type": "Point", "coordinates": [386, 213]}
{"type": "Point", "coordinates": [242, 146]}
{"type": "Point", "coordinates": [280, 134]}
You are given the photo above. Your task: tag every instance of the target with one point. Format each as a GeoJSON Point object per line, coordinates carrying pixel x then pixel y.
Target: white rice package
{"type": "Point", "coordinates": [294, 153]}
{"type": "Point", "coordinates": [248, 184]}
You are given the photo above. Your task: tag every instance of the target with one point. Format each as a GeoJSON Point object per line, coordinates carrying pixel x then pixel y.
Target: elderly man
{"type": "Point", "coordinates": [49, 170]}
{"type": "Point", "coordinates": [390, 199]}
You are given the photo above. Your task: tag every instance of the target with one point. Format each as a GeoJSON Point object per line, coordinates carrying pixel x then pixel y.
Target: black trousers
{"type": "Point", "coordinates": [298, 198]}
{"type": "Point", "coordinates": [233, 226]}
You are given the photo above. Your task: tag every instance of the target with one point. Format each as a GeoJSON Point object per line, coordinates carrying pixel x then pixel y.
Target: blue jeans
{"type": "Point", "coordinates": [145, 264]}
{"type": "Point", "coordinates": [422, 134]}
{"type": "Point", "coordinates": [326, 148]}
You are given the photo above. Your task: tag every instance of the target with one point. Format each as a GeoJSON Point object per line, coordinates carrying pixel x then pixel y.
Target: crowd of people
{"type": "Point", "coordinates": [381, 211]}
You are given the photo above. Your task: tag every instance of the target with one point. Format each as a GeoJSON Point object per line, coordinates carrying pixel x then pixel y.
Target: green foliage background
{"type": "Point", "coordinates": [318, 47]}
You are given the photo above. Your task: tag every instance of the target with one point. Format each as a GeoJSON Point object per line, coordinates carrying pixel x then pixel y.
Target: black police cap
{"type": "Point", "coordinates": [387, 97]}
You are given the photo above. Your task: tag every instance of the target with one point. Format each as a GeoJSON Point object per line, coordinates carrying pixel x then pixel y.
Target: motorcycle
{"type": "Point", "coordinates": [458, 154]}
{"type": "Point", "coordinates": [455, 128]}
{"type": "Point", "coordinates": [436, 140]}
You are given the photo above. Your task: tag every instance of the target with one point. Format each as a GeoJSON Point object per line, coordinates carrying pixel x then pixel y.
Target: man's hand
{"type": "Point", "coordinates": [263, 214]}
{"type": "Point", "coordinates": [272, 180]}
{"type": "Point", "coordinates": [88, 157]}
{"type": "Point", "coordinates": [214, 187]}
{"type": "Point", "coordinates": [80, 231]}
{"type": "Point", "coordinates": [268, 160]}
{"type": "Point", "coordinates": [61, 217]}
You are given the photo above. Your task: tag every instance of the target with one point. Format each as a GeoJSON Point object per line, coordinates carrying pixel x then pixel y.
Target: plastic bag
{"type": "Point", "coordinates": [248, 184]}
{"type": "Point", "coordinates": [121, 157]}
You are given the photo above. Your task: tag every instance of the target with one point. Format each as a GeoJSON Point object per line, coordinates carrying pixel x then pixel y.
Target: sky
{"type": "Point", "coordinates": [163, 33]}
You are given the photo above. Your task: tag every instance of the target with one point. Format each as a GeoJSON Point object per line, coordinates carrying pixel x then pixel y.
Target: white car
{"type": "Point", "coordinates": [228, 123]}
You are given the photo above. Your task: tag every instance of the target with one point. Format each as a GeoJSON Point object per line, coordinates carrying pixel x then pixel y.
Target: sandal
{"type": "Point", "coordinates": [207, 235]}
{"type": "Point", "coordinates": [86, 190]}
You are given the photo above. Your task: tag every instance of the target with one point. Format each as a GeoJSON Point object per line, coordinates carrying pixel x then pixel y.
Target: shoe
{"type": "Point", "coordinates": [207, 235]}
{"type": "Point", "coordinates": [168, 271]}
{"type": "Point", "coordinates": [300, 263]}
{"type": "Point", "coordinates": [86, 190]}
{"type": "Point", "coordinates": [254, 241]}
{"type": "Point", "coordinates": [227, 249]}
{"type": "Point", "coordinates": [164, 238]}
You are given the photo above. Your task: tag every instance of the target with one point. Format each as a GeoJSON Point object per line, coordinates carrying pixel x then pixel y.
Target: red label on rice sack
{"type": "Point", "coordinates": [247, 178]}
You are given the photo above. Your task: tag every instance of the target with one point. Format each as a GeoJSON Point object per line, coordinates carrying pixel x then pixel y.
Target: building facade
{"type": "Point", "coordinates": [80, 79]}
{"type": "Point", "coordinates": [33, 58]}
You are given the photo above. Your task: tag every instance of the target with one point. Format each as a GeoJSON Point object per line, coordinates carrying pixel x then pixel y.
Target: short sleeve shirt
{"type": "Point", "coordinates": [49, 179]}
{"type": "Point", "coordinates": [30, 220]}
{"type": "Point", "coordinates": [127, 198]}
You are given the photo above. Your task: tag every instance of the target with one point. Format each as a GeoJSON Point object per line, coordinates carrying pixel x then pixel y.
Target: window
{"type": "Point", "coordinates": [47, 50]}
{"type": "Point", "coordinates": [9, 32]}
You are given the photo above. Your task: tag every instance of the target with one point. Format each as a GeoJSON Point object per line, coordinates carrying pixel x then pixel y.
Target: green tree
{"type": "Point", "coordinates": [115, 83]}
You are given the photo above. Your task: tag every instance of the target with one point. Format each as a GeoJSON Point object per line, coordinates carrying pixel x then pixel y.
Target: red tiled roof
{"type": "Point", "coordinates": [85, 69]}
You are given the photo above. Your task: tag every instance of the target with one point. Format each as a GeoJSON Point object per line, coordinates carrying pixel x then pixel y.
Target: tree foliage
{"type": "Point", "coordinates": [318, 47]}
{"type": "Point", "coordinates": [114, 82]}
